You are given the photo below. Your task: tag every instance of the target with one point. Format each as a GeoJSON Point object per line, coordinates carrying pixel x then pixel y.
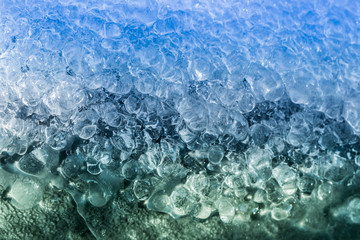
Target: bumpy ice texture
{"type": "Point", "coordinates": [245, 110]}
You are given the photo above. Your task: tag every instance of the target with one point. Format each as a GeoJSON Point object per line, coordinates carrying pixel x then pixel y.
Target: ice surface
{"type": "Point", "coordinates": [195, 109]}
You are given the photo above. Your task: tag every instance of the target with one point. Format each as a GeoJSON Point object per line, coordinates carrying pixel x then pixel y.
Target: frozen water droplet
{"type": "Point", "coordinates": [55, 138]}
{"type": "Point", "coordinates": [247, 102]}
{"type": "Point", "coordinates": [159, 202]}
{"type": "Point", "coordinates": [72, 165]}
{"type": "Point", "coordinates": [215, 154]}
{"type": "Point", "coordinates": [259, 161]}
{"type": "Point", "coordinates": [25, 193]}
{"type": "Point", "coordinates": [273, 190]}
{"type": "Point", "coordinates": [97, 194]}
{"type": "Point", "coordinates": [180, 199]}
{"type": "Point", "coordinates": [226, 210]}
{"type": "Point", "coordinates": [31, 163]}
{"type": "Point", "coordinates": [88, 131]}
{"type": "Point", "coordinates": [201, 69]}
{"type": "Point", "coordinates": [279, 213]}
{"type": "Point", "coordinates": [132, 104]}
{"type": "Point", "coordinates": [204, 211]}
{"type": "Point", "coordinates": [259, 196]}
{"type": "Point", "coordinates": [306, 184]}
{"type": "Point", "coordinates": [142, 189]}
{"type": "Point", "coordinates": [145, 82]}
{"type": "Point", "coordinates": [354, 210]}
{"type": "Point", "coordinates": [260, 134]}
{"type": "Point", "coordinates": [286, 177]}
{"type": "Point", "coordinates": [357, 160]}
{"type": "Point", "coordinates": [325, 190]}
{"type": "Point", "coordinates": [93, 167]}
{"type": "Point", "coordinates": [130, 170]}
{"type": "Point", "coordinates": [199, 183]}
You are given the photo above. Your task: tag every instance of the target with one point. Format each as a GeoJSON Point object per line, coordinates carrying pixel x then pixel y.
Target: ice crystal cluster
{"type": "Point", "coordinates": [240, 110]}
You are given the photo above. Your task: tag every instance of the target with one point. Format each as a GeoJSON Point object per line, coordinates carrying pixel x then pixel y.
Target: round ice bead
{"type": "Point", "coordinates": [129, 170]}
{"type": "Point", "coordinates": [226, 210]}
{"type": "Point", "coordinates": [32, 163]}
{"type": "Point", "coordinates": [259, 196]}
{"type": "Point", "coordinates": [306, 184]}
{"type": "Point", "coordinates": [357, 160]}
{"type": "Point", "coordinates": [159, 202]}
{"type": "Point", "coordinates": [110, 115]}
{"type": "Point", "coordinates": [145, 82]}
{"type": "Point", "coordinates": [93, 167]}
{"type": "Point", "coordinates": [56, 138]}
{"type": "Point", "coordinates": [280, 213]}
{"type": "Point", "coordinates": [132, 104]}
{"type": "Point", "coordinates": [204, 211]}
{"type": "Point", "coordinates": [201, 69]}
{"type": "Point", "coordinates": [325, 190]}
{"type": "Point", "coordinates": [199, 183]}
{"type": "Point", "coordinates": [247, 102]}
{"type": "Point", "coordinates": [260, 134]}
{"type": "Point", "coordinates": [180, 199]}
{"type": "Point", "coordinates": [25, 193]}
{"type": "Point", "coordinates": [142, 189]}
{"type": "Point", "coordinates": [354, 210]}
{"type": "Point", "coordinates": [72, 166]}
{"type": "Point", "coordinates": [97, 195]}
{"type": "Point", "coordinates": [88, 131]}
{"type": "Point", "coordinates": [215, 154]}
{"type": "Point", "coordinates": [286, 177]}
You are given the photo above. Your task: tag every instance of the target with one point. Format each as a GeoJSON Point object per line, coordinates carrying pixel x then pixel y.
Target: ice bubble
{"type": "Point", "coordinates": [181, 200]}
{"type": "Point", "coordinates": [259, 160]}
{"type": "Point", "coordinates": [204, 211]}
{"type": "Point", "coordinates": [247, 102]}
{"type": "Point", "coordinates": [306, 184]}
{"type": "Point", "coordinates": [260, 134]}
{"type": "Point", "coordinates": [33, 163]}
{"type": "Point", "coordinates": [93, 167]}
{"type": "Point", "coordinates": [142, 189]}
{"type": "Point", "coordinates": [85, 124]}
{"type": "Point", "coordinates": [357, 160]}
{"type": "Point", "coordinates": [72, 166]}
{"type": "Point", "coordinates": [199, 183]}
{"type": "Point", "coordinates": [56, 138]}
{"type": "Point", "coordinates": [194, 114]}
{"type": "Point", "coordinates": [354, 210]}
{"type": "Point", "coordinates": [97, 194]}
{"type": "Point", "coordinates": [226, 210]}
{"type": "Point", "coordinates": [274, 191]}
{"type": "Point", "coordinates": [26, 193]}
{"type": "Point", "coordinates": [336, 168]}
{"type": "Point", "coordinates": [133, 104]}
{"type": "Point", "coordinates": [201, 69]}
{"type": "Point", "coordinates": [259, 196]}
{"type": "Point", "coordinates": [159, 202]}
{"type": "Point", "coordinates": [215, 154]}
{"type": "Point", "coordinates": [145, 82]}
{"type": "Point", "coordinates": [286, 177]}
{"type": "Point", "coordinates": [325, 190]}
{"type": "Point", "coordinates": [123, 141]}
{"type": "Point", "coordinates": [129, 170]}
{"type": "Point", "coordinates": [281, 211]}
{"type": "Point", "coordinates": [110, 115]}
{"type": "Point", "coordinates": [186, 134]}
{"type": "Point", "coordinates": [88, 131]}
